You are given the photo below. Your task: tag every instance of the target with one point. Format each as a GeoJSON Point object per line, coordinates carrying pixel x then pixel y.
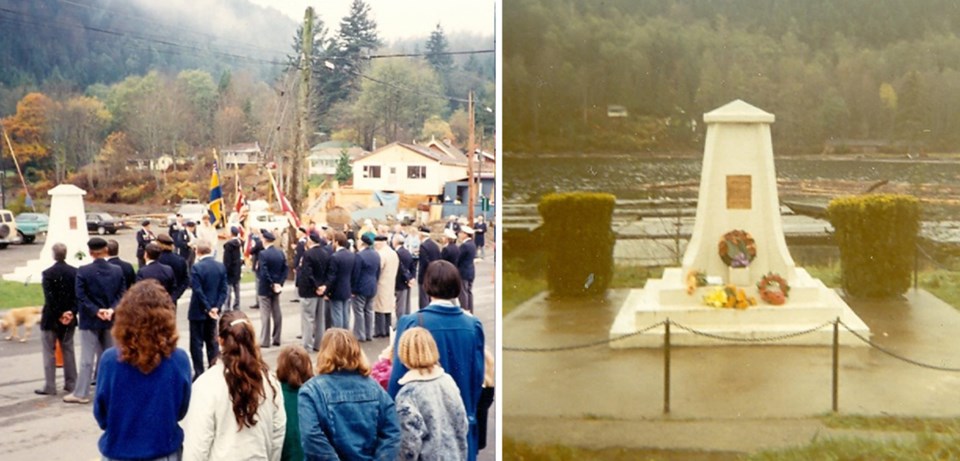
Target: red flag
{"type": "Point", "coordinates": [285, 207]}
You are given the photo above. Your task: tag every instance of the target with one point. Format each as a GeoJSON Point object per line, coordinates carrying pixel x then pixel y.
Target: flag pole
{"type": "Point", "coordinates": [13, 155]}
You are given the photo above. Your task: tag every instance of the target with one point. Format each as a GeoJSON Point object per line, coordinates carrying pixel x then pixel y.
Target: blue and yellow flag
{"type": "Point", "coordinates": [215, 206]}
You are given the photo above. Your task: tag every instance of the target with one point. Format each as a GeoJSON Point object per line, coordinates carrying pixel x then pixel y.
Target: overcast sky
{"type": "Point", "coordinates": [400, 18]}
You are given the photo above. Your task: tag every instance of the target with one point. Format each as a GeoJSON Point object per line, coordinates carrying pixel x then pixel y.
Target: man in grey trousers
{"type": "Point", "coordinates": [58, 321]}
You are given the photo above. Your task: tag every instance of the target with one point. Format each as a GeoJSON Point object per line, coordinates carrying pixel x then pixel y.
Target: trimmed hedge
{"type": "Point", "coordinates": [578, 241]}
{"type": "Point", "coordinates": [877, 236]}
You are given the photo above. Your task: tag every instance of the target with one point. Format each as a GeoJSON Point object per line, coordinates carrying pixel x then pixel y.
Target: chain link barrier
{"type": "Point", "coordinates": [896, 355]}
{"type": "Point", "coordinates": [769, 339]}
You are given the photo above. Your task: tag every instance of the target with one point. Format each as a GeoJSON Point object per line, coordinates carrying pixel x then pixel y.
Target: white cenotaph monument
{"type": "Point", "coordinates": [68, 225]}
{"type": "Point", "coordinates": [738, 192]}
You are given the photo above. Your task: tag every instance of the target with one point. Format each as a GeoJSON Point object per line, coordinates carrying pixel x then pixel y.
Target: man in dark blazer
{"type": "Point", "coordinates": [406, 273]}
{"type": "Point", "coordinates": [256, 246]}
{"type": "Point", "coordinates": [273, 273]}
{"type": "Point", "coordinates": [181, 274]}
{"type": "Point", "coordinates": [311, 275]}
{"type": "Point", "coordinates": [468, 252]}
{"type": "Point", "coordinates": [113, 253]}
{"type": "Point", "coordinates": [144, 236]}
{"type": "Point", "coordinates": [450, 252]}
{"type": "Point", "coordinates": [429, 252]}
{"type": "Point", "coordinates": [100, 286]}
{"type": "Point", "coordinates": [156, 270]}
{"type": "Point", "coordinates": [298, 250]}
{"type": "Point", "coordinates": [178, 232]}
{"type": "Point", "coordinates": [233, 261]}
{"type": "Point", "coordinates": [366, 272]}
{"type": "Point", "coordinates": [58, 321]}
{"type": "Point", "coordinates": [208, 279]}
{"type": "Point", "coordinates": [337, 288]}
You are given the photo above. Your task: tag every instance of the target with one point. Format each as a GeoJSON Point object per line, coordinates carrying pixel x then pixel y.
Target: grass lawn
{"type": "Point", "coordinates": [16, 294]}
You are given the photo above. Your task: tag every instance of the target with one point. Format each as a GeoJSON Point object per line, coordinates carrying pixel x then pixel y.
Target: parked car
{"type": "Point", "coordinates": [8, 229]}
{"type": "Point", "coordinates": [103, 223]}
{"type": "Point", "coordinates": [267, 220]}
{"type": "Point", "coordinates": [191, 211]}
{"type": "Point", "coordinates": [31, 225]}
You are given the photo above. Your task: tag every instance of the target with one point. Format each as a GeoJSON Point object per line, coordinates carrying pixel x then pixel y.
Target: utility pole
{"type": "Point", "coordinates": [472, 149]}
{"type": "Point", "coordinates": [303, 117]}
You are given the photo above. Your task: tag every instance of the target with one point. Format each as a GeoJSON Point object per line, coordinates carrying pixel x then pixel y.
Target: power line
{"type": "Point", "coordinates": [420, 55]}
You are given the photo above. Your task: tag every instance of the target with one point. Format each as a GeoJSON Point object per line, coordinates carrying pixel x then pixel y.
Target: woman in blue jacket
{"type": "Point", "coordinates": [459, 338]}
{"type": "Point", "coordinates": [344, 414]}
{"type": "Point", "coordinates": [143, 386]}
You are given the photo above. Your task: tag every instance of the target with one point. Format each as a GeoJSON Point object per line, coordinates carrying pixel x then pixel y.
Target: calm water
{"type": "Point", "coordinates": [527, 178]}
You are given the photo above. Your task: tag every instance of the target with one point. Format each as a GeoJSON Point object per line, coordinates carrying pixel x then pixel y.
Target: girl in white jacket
{"type": "Point", "coordinates": [236, 408]}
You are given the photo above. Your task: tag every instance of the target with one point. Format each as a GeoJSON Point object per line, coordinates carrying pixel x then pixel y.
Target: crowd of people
{"type": "Point", "coordinates": [223, 402]}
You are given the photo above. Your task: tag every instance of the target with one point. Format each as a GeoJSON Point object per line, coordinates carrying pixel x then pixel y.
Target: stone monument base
{"type": "Point", "coordinates": [810, 304]}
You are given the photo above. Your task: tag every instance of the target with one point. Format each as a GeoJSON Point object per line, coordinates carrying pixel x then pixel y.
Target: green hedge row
{"type": "Point", "coordinates": [877, 236]}
{"type": "Point", "coordinates": [578, 240]}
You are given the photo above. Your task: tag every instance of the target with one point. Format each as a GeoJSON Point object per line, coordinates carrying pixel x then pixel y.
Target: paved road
{"type": "Point", "coordinates": [38, 427]}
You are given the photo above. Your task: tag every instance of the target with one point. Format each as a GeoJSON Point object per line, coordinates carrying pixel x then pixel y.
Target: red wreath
{"type": "Point", "coordinates": [773, 289]}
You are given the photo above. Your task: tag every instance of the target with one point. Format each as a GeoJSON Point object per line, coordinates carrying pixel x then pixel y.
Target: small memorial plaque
{"type": "Point", "coordinates": [739, 192]}
{"type": "Point", "coordinates": [73, 223]}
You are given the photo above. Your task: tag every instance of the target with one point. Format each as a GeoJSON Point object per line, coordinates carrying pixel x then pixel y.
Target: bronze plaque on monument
{"type": "Point", "coordinates": [739, 192]}
{"type": "Point", "coordinates": [73, 223]}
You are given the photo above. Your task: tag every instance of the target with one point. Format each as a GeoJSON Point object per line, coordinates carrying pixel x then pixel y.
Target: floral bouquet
{"type": "Point", "coordinates": [695, 279]}
{"type": "Point", "coordinates": [773, 289]}
{"type": "Point", "coordinates": [729, 297]}
{"type": "Point", "coordinates": [737, 248]}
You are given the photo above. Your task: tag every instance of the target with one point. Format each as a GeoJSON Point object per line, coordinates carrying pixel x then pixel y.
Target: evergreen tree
{"type": "Point", "coordinates": [348, 52]}
{"type": "Point", "coordinates": [436, 47]}
{"type": "Point", "coordinates": [344, 171]}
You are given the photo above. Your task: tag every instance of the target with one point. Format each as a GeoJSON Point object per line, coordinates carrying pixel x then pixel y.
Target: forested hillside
{"type": "Point", "coordinates": [831, 71]}
{"type": "Point", "coordinates": [81, 42]}
{"type": "Point", "coordinates": [91, 91]}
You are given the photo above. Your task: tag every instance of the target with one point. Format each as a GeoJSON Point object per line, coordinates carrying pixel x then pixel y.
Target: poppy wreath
{"type": "Point", "coordinates": [773, 289]}
{"type": "Point", "coordinates": [737, 248]}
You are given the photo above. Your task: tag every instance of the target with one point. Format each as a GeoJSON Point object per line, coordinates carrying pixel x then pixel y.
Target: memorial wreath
{"type": "Point", "coordinates": [737, 248]}
{"type": "Point", "coordinates": [773, 289]}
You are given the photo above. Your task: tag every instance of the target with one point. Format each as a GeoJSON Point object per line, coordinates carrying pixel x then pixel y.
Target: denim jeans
{"type": "Point", "coordinates": [340, 313]}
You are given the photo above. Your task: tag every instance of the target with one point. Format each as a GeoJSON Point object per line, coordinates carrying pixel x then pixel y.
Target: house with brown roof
{"type": "Point", "coordinates": [410, 168]}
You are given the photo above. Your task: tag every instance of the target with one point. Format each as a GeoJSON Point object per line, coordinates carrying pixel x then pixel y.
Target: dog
{"type": "Point", "coordinates": [14, 318]}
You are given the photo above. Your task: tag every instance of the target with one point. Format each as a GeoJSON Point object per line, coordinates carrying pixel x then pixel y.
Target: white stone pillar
{"type": "Point", "coordinates": [68, 225]}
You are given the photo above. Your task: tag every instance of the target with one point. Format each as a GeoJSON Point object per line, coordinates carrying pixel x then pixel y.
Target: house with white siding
{"type": "Point", "coordinates": [409, 168]}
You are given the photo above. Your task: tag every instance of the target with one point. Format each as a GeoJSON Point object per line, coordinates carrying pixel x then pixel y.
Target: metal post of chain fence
{"type": "Point", "coordinates": [836, 364]}
{"type": "Point", "coordinates": [666, 367]}
{"type": "Point", "coordinates": [916, 266]}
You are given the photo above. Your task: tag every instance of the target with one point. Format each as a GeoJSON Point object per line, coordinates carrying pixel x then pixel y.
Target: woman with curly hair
{"type": "Point", "coordinates": [237, 410]}
{"type": "Point", "coordinates": [143, 384]}
{"type": "Point", "coordinates": [345, 414]}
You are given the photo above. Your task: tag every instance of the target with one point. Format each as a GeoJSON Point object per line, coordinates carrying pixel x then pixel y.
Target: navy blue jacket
{"type": "Point", "coordinates": [406, 270]}
{"type": "Point", "coordinates": [129, 275]}
{"type": "Point", "coordinates": [208, 279]}
{"type": "Point", "coordinates": [232, 259]}
{"type": "Point", "coordinates": [468, 252]}
{"type": "Point", "coordinates": [59, 295]}
{"type": "Point", "coordinates": [100, 285]}
{"type": "Point", "coordinates": [161, 273]}
{"type": "Point", "coordinates": [479, 233]}
{"type": "Point", "coordinates": [181, 277]}
{"type": "Point", "coordinates": [429, 252]}
{"type": "Point", "coordinates": [451, 253]}
{"type": "Point", "coordinates": [272, 269]}
{"type": "Point", "coordinates": [339, 272]}
{"type": "Point", "coordinates": [312, 271]}
{"type": "Point", "coordinates": [143, 238]}
{"type": "Point", "coordinates": [366, 272]}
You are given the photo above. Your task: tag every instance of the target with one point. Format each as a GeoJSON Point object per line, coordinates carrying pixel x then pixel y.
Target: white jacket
{"type": "Point", "coordinates": [210, 428]}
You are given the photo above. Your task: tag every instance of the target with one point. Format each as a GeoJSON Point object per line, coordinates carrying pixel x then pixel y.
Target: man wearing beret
{"type": "Point", "coordinates": [311, 276]}
{"type": "Point", "coordinates": [144, 236]}
{"type": "Point", "coordinates": [429, 252]}
{"type": "Point", "coordinates": [181, 273]}
{"type": "Point", "coordinates": [100, 286]}
{"type": "Point", "coordinates": [337, 287]}
{"type": "Point", "coordinates": [366, 271]}
{"type": "Point", "coordinates": [465, 264]}
{"type": "Point", "coordinates": [272, 269]}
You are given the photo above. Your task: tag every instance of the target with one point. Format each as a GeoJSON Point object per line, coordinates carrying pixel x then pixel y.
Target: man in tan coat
{"type": "Point", "coordinates": [385, 301]}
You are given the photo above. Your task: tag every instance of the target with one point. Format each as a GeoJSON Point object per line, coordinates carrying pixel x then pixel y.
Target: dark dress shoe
{"type": "Point", "coordinates": [43, 392]}
{"type": "Point", "coordinates": [276, 344]}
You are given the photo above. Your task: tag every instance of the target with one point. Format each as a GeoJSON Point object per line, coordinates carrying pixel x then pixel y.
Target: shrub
{"type": "Point", "coordinates": [877, 237]}
{"type": "Point", "coordinates": [578, 241]}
